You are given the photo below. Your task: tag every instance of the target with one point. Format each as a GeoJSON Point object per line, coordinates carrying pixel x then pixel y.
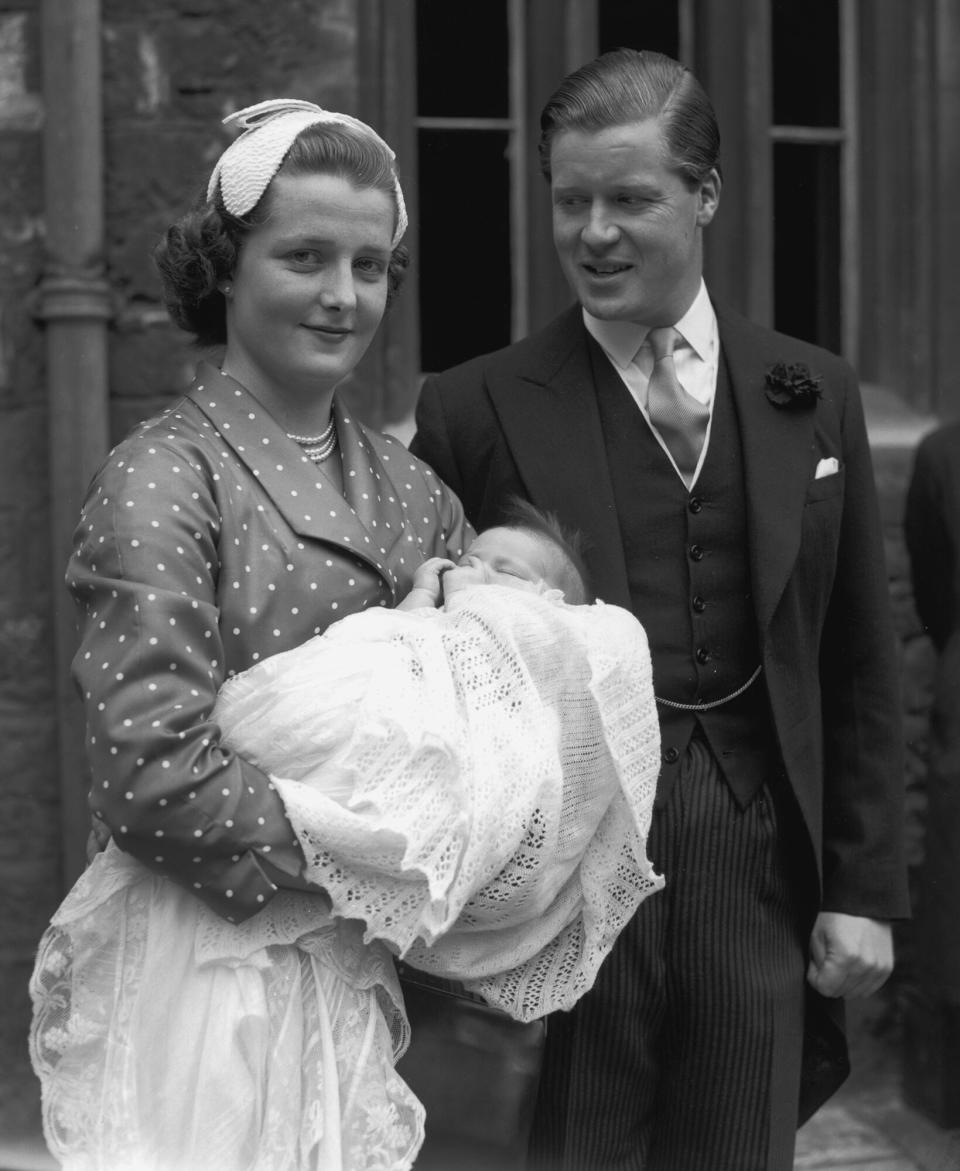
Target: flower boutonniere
{"type": "Point", "coordinates": [791, 385]}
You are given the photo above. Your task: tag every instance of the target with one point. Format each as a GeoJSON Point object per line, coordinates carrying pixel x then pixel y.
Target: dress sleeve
{"type": "Point", "coordinates": [451, 533]}
{"type": "Point", "coordinates": [144, 576]}
{"type": "Point", "coordinates": [456, 532]}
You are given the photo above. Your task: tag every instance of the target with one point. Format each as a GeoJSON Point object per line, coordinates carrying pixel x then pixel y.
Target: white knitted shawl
{"type": "Point", "coordinates": [475, 784]}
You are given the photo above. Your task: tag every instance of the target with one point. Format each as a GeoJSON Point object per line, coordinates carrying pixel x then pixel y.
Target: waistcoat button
{"type": "Point", "coordinates": [699, 604]}
{"type": "Point", "coordinates": [695, 504]}
{"type": "Point", "coordinates": [671, 755]}
{"type": "Point", "coordinates": [696, 553]}
{"type": "Point", "coordinates": [703, 655]}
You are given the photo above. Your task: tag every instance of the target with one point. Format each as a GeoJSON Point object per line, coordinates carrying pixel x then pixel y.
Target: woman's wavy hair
{"type": "Point", "coordinates": [630, 85]}
{"type": "Point", "coordinates": [200, 250]}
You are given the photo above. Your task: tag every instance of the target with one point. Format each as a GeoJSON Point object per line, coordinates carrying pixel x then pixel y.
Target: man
{"type": "Point", "coordinates": [721, 476]}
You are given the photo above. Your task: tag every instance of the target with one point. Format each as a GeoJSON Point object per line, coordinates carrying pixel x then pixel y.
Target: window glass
{"type": "Point", "coordinates": [464, 263]}
{"type": "Point", "coordinates": [806, 63]}
{"type": "Point", "coordinates": [462, 66]}
{"type": "Point", "coordinates": [654, 24]}
{"type": "Point", "coordinates": [807, 246]}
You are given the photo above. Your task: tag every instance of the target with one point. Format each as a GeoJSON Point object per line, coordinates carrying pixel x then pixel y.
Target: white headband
{"type": "Point", "coordinates": [246, 167]}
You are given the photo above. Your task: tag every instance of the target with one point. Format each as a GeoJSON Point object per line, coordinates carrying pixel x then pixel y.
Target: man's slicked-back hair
{"type": "Point", "coordinates": [631, 85]}
{"type": "Point", "coordinates": [568, 567]}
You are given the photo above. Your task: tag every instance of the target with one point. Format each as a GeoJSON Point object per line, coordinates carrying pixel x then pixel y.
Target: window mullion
{"type": "Point", "coordinates": [808, 134]}
{"type": "Point", "coordinates": [456, 123]}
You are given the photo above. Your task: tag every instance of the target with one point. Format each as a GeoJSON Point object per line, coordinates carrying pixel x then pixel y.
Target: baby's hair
{"type": "Point", "coordinates": [568, 568]}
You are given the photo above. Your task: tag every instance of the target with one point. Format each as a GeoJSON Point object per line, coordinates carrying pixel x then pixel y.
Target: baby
{"type": "Point", "coordinates": [451, 769]}
{"type": "Point", "coordinates": [531, 549]}
{"type": "Point", "coordinates": [471, 785]}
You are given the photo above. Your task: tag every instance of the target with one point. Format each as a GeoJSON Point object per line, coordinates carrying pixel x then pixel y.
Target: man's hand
{"type": "Point", "coordinates": [849, 956]}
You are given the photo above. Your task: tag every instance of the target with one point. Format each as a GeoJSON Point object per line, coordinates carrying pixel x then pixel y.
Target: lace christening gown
{"type": "Point", "coordinates": [472, 788]}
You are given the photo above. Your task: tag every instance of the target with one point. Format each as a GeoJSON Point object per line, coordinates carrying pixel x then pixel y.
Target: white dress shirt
{"type": "Point", "coordinates": [696, 358]}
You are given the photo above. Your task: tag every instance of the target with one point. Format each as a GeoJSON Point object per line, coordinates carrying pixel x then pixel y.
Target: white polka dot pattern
{"type": "Point", "coordinates": [208, 542]}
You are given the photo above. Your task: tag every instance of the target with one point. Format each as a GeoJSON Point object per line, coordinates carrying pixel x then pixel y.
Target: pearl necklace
{"type": "Point", "coordinates": [318, 447]}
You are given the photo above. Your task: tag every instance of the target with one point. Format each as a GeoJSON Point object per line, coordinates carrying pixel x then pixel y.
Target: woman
{"type": "Point", "coordinates": [239, 523]}
{"type": "Point", "coordinates": [257, 510]}
{"type": "Point", "coordinates": [207, 996]}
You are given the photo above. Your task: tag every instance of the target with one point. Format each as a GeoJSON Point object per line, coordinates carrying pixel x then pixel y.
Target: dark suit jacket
{"type": "Point", "coordinates": [931, 525]}
{"type": "Point", "coordinates": [932, 530]}
{"type": "Point", "coordinates": [524, 420]}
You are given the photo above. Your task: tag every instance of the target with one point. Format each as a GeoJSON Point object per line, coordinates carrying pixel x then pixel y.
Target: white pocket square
{"type": "Point", "coordinates": [827, 467]}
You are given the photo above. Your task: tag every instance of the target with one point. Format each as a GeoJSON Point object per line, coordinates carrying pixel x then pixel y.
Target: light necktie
{"type": "Point", "coordinates": [679, 418]}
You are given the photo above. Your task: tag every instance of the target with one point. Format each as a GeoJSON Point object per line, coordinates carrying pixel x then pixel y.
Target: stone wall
{"type": "Point", "coordinates": [30, 836]}
{"type": "Point", "coordinates": [171, 72]}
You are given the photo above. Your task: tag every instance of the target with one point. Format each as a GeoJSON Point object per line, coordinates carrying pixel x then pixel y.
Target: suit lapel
{"type": "Point", "coordinates": [547, 408]}
{"type": "Point", "coordinates": [778, 453]}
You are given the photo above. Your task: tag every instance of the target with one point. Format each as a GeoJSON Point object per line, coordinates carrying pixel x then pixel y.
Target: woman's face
{"type": "Point", "coordinates": [309, 289]}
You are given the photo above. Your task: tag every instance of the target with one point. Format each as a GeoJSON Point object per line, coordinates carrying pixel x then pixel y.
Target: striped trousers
{"type": "Point", "coordinates": [686, 1054]}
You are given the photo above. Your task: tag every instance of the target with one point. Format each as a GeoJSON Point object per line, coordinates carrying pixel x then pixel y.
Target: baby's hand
{"type": "Point", "coordinates": [426, 589]}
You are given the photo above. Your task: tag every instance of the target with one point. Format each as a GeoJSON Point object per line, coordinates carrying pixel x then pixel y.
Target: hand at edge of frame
{"type": "Point", "coordinates": [850, 956]}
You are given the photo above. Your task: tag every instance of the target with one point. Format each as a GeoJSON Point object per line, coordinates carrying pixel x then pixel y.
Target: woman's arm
{"type": "Point", "coordinates": [144, 575]}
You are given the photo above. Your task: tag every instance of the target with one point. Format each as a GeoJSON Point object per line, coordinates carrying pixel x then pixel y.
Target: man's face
{"type": "Point", "coordinates": [626, 225]}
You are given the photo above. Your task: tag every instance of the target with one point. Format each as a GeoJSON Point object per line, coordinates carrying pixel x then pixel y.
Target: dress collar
{"type": "Point", "coordinates": [368, 517]}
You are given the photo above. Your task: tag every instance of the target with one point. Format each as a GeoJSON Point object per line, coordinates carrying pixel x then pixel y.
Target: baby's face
{"type": "Point", "coordinates": [509, 557]}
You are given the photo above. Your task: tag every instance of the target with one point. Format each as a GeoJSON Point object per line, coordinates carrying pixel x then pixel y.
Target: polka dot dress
{"type": "Point", "coordinates": [207, 543]}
